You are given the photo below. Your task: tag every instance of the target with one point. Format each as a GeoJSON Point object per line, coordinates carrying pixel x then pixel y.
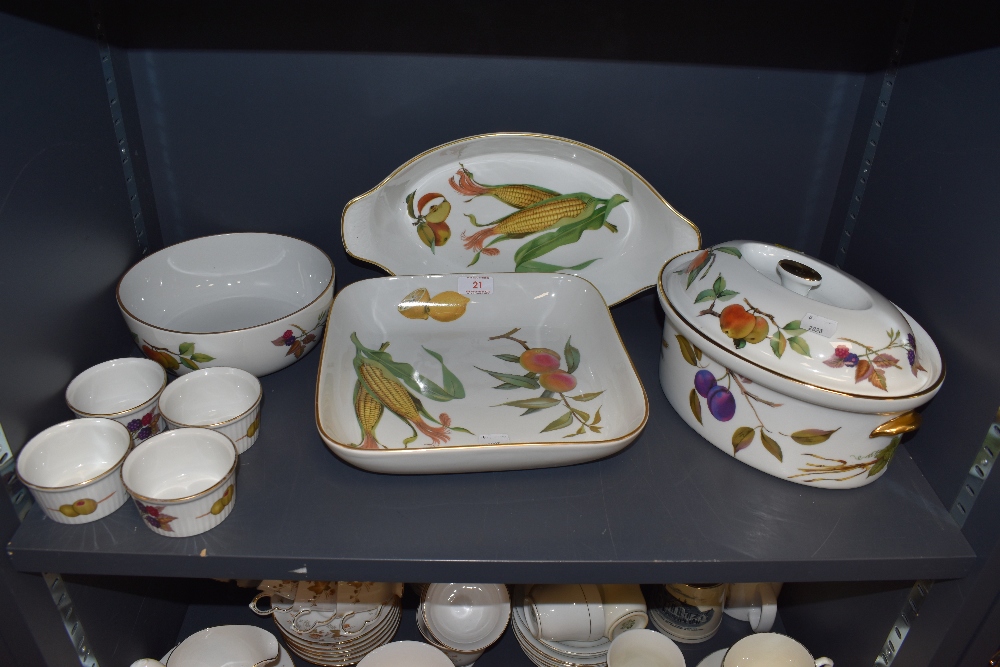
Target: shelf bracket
{"type": "Point", "coordinates": [982, 464]}
{"type": "Point", "coordinates": [73, 625]}
{"type": "Point", "coordinates": [897, 635]}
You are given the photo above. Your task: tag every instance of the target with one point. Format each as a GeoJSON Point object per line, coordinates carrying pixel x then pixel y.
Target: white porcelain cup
{"type": "Point", "coordinates": [72, 469]}
{"type": "Point", "coordinates": [223, 399]}
{"type": "Point", "coordinates": [566, 612]}
{"type": "Point", "coordinates": [755, 603]}
{"type": "Point", "coordinates": [458, 658]}
{"type": "Point", "coordinates": [644, 648]}
{"type": "Point", "coordinates": [125, 390]}
{"type": "Point", "coordinates": [405, 653]}
{"type": "Point", "coordinates": [230, 645]}
{"type": "Point", "coordinates": [466, 617]}
{"type": "Point", "coordinates": [182, 481]}
{"type": "Point", "coordinates": [624, 608]}
{"type": "Point", "coordinates": [768, 649]}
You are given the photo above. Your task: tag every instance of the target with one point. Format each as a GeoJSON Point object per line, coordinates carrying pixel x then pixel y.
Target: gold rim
{"type": "Point", "coordinates": [174, 501]}
{"type": "Point", "coordinates": [488, 135]}
{"type": "Point", "coordinates": [375, 452]}
{"type": "Point", "coordinates": [109, 471]}
{"type": "Point", "coordinates": [260, 397]}
{"type": "Point", "coordinates": [663, 295]}
{"type": "Point", "coordinates": [111, 415]}
{"type": "Point", "coordinates": [118, 287]}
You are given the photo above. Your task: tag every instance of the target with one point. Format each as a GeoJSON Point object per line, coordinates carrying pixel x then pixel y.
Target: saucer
{"type": "Point", "coordinates": [714, 659]}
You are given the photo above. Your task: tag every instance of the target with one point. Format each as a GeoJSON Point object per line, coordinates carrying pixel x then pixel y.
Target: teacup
{"type": "Point", "coordinates": [466, 617]}
{"type": "Point", "coordinates": [755, 603]}
{"type": "Point", "coordinates": [126, 390]}
{"type": "Point", "coordinates": [566, 612]}
{"type": "Point", "coordinates": [182, 481]}
{"type": "Point", "coordinates": [458, 658]}
{"type": "Point", "coordinates": [624, 608]}
{"type": "Point", "coordinates": [644, 648]}
{"type": "Point", "coordinates": [230, 645]}
{"type": "Point", "coordinates": [72, 469]}
{"type": "Point", "coordinates": [768, 649]}
{"type": "Point", "coordinates": [223, 399]}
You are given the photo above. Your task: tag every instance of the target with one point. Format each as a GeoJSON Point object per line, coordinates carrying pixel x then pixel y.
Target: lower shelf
{"type": "Point", "coordinates": [505, 653]}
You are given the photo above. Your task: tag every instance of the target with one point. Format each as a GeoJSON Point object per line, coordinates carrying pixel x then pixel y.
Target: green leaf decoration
{"type": "Point", "coordinates": [729, 251]}
{"type": "Point", "coordinates": [562, 422]}
{"type": "Point", "coordinates": [719, 284]}
{"type": "Point", "coordinates": [569, 230]}
{"type": "Point", "coordinates": [411, 378]}
{"type": "Point", "coordinates": [695, 406]}
{"type": "Point", "coordinates": [513, 358]}
{"type": "Point", "coordinates": [201, 358]}
{"type": "Point", "coordinates": [705, 295]}
{"type": "Point", "coordinates": [186, 349]}
{"type": "Point", "coordinates": [587, 397]}
{"type": "Point", "coordinates": [581, 414]}
{"type": "Point", "coordinates": [597, 419]}
{"type": "Point", "coordinates": [507, 385]}
{"type": "Point", "coordinates": [188, 363]}
{"type": "Point", "coordinates": [579, 431]}
{"type": "Point", "coordinates": [727, 294]}
{"type": "Point", "coordinates": [778, 343]}
{"type": "Point", "coordinates": [877, 468]}
{"type": "Point", "coordinates": [692, 276]}
{"type": "Point", "coordinates": [799, 345]}
{"type": "Point", "coordinates": [770, 445]}
{"type": "Point", "coordinates": [409, 204]}
{"type": "Point", "coordinates": [687, 350]}
{"type": "Point", "coordinates": [539, 403]}
{"type": "Point", "coordinates": [542, 267]}
{"type": "Point", "coordinates": [884, 456]}
{"type": "Point", "coordinates": [572, 356]}
{"type": "Point", "coordinates": [460, 429]}
{"type": "Point", "coordinates": [516, 380]}
{"type": "Point", "coordinates": [545, 394]}
{"type": "Point", "coordinates": [740, 343]}
{"type": "Point", "coordinates": [794, 328]}
{"type": "Point", "coordinates": [742, 437]}
{"type": "Point", "coordinates": [812, 436]}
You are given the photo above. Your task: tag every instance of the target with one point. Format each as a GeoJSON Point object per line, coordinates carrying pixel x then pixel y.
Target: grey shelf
{"type": "Point", "coordinates": [671, 507]}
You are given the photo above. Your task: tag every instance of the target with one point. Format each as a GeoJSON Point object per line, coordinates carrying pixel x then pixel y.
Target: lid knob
{"type": "Point", "coordinates": [798, 277]}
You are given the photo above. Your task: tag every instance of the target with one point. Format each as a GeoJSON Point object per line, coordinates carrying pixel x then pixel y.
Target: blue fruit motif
{"type": "Point", "coordinates": [721, 403]}
{"type": "Point", "coordinates": [704, 381]}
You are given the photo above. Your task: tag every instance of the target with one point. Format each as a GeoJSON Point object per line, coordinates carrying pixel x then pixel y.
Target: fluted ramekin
{"type": "Point", "coordinates": [227, 400]}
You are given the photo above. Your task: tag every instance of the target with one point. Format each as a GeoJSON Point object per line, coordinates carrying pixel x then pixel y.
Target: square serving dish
{"type": "Point", "coordinates": [422, 374]}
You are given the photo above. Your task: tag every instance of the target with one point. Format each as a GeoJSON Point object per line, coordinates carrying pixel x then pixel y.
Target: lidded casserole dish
{"type": "Point", "coordinates": [791, 365]}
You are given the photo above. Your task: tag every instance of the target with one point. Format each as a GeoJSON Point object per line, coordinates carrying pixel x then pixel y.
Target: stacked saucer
{"type": "Point", "coordinates": [463, 620]}
{"type": "Point", "coordinates": [546, 653]}
{"type": "Point", "coordinates": [332, 623]}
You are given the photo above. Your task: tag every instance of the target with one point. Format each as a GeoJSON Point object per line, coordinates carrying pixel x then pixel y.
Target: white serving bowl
{"type": "Point", "coordinates": [410, 654]}
{"type": "Point", "coordinates": [125, 390]}
{"type": "Point", "coordinates": [813, 380]}
{"type": "Point", "coordinates": [252, 301]}
{"type": "Point", "coordinates": [226, 400]}
{"type": "Point", "coordinates": [182, 481]}
{"type": "Point", "coordinates": [466, 617]}
{"type": "Point", "coordinates": [72, 469]}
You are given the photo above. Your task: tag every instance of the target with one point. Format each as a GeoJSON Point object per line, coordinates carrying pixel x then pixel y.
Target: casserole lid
{"type": "Point", "coordinates": [799, 318]}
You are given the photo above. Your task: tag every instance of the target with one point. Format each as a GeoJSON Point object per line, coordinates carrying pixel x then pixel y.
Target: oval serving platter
{"type": "Point", "coordinates": [421, 374]}
{"type": "Point", "coordinates": [524, 203]}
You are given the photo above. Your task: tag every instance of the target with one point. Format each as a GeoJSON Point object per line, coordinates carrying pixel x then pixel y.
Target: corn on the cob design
{"type": "Point", "coordinates": [368, 411]}
{"type": "Point", "coordinates": [518, 195]}
{"type": "Point", "coordinates": [530, 220]}
{"type": "Point", "coordinates": [393, 395]}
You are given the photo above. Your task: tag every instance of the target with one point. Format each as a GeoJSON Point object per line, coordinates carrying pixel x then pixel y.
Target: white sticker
{"type": "Point", "coordinates": [819, 325]}
{"type": "Point", "coordinates": [494, 438]}
{"type": "Point", "coordinates": [476, 285]}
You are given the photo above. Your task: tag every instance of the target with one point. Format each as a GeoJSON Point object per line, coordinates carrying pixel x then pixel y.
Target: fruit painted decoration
{"type": "Point", "coordinates": [545, 371]}
{"type": "Point", "coordinates": [172, 361]}
{"type": "Point", "coordinates": [429, 216]}
{"type": "Point", "coordinates": [447, 306]}
{"type": "Point", "coordinates": [298, 342]}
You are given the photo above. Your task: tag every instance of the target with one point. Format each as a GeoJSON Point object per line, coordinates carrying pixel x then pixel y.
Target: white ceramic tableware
{"type": "Point", "coordinates": [816, 388]}
{"type": "Point", "coordinates": [624, 608]}
{"type": "Point", "coordinates": [125, 390]}
{"type": "Point", "coordinates": [411, 654]}
{"type": "Point", "coordinates": [483, 407]}
{"type": "Point", "coordinates": [183, 481]}
{"type": "Point", "coordinates": [567, 612]}
{"type": "Point", "coordinates": [551, 653]}
{"type": "Point", "coordinates": [284, 660]}
{"type": "Point", "coordinates": [644, 648]}
{"type": "Point", "coordinates": [72, 469]}
{"type": "Point", "coordinates": [252, 301]}
{"type": "Point", "coordinates": [687, 613]}
{"type": "Point", "coordinates": [461, 204]}
{"type": "Point", "coordinates": [713, 659]}
{"type": "Point", "coordinates": [755, 603]}
{"type": "Point", "coordinates": [466, 617]}
{"type": "Point", "coordinates": [227, 400]}
{"type": "Point", "coordinates": [768, 649]}
{"type": "Point", "coordinates": [230, 645]}
{"type": "Point", "coordinates": [458, 658]}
